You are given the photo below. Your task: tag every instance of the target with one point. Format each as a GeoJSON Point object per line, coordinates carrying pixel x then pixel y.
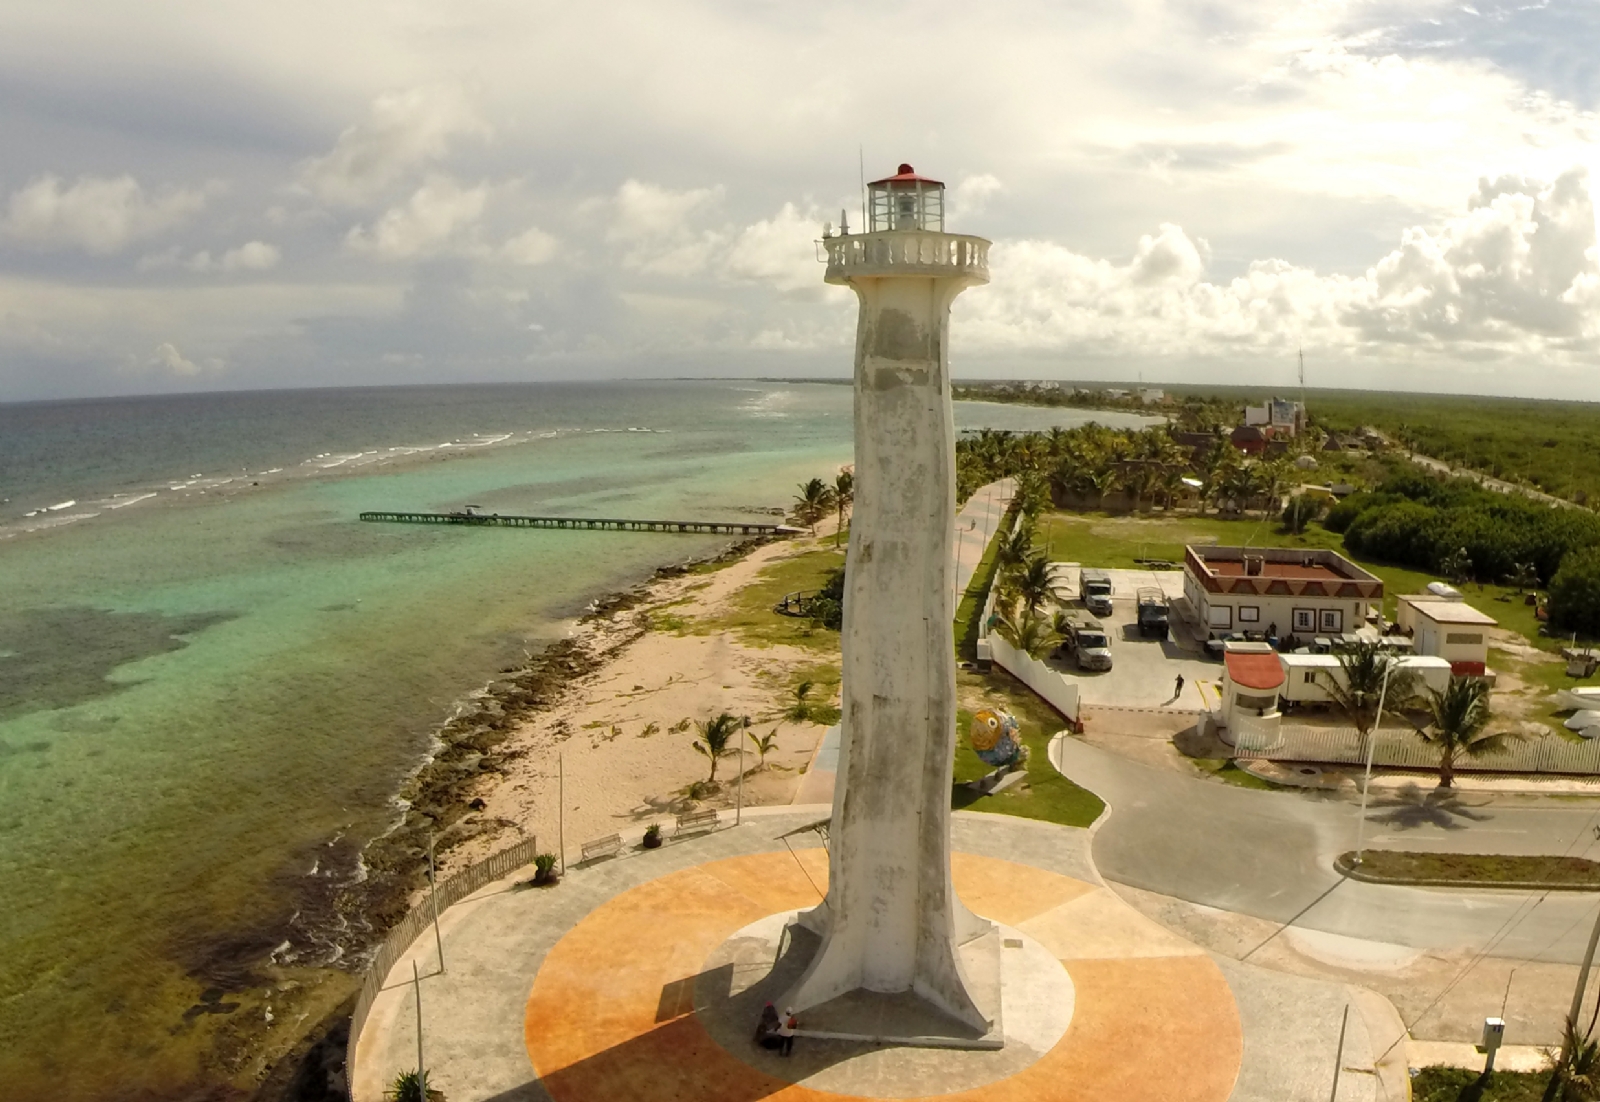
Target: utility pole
{"type": "Point", "coordinates": [1372, 743]}
{"type": "Point", "coordinates": [416, 984]}
{"type": "Point", "coordinates": [1578, 991]}
{"type": "Point", "coordinates": [433, 900]}
{"type": "Point", "coordinates": [561, 810]}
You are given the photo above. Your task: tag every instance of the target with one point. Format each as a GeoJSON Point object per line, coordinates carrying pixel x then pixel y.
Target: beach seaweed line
{"type": "Point", "coordinates": [433, 799]}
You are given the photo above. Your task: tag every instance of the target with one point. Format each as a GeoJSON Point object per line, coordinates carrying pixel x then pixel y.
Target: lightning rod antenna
{"type": "Point", "coordinates": [861, 165]}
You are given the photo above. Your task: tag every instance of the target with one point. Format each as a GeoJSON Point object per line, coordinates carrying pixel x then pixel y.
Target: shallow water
{"type": "Point", "coordinates": [209, 697]}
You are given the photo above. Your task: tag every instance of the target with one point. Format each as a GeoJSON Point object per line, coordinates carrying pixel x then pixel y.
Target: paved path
{"type": "Point", "coordinates": [1142, 994]}
{"type": "Point", "coordinates": [975, 524]}
{"type": "Point", "coordinates": [1269, 855]}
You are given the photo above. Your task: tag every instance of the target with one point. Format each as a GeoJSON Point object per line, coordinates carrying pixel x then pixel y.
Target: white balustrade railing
{"type": "Point", "coordinates": [907, 249]}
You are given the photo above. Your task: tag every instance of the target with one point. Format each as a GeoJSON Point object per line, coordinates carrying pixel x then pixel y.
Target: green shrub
{"type": "Point", "coordinates": [1575, 593]}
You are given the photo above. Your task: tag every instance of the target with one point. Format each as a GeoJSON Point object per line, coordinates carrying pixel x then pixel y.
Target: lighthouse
{"type": "Point", "coordinates": [891, 922]}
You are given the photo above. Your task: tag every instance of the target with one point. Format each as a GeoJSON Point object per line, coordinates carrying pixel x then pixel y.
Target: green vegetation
{"type": "Point", "coordinates": [1480, 868]}
{"type": "Point", "coordinates": [814, 501]}
{"type": "Point", "coordinates": [1046, 794]}
{"type": "Point", "coordinates": [715, 734]}
{"type": "Point", "coordinates": [1575, 593]}
{"type": "Point", "coordinates": [1457, 717]}
{"type": "Point", "coordinates": [409, 1086]}
{"type": "Point", "coordinates": [971, 605]}
{"type": "Point", "coordinates": [1225, 769]}
{"type": "Point", "coordinates": [1442, 1084]}
{"type": "Point", "coordinates": [750, 615]}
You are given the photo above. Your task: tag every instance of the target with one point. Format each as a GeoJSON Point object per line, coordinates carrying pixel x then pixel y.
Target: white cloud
{"type": "Point", "coordinates": [779, 251]}
{"type": "Point", "coordinates": [1515, 272]}
{"type": "Point", "coordinates": [169, 360]}
{"type": "Point", "coordinates": [646, 211]}
{"type": "Point", "coordinates": [100, 215]}
{"type": "Point", "coordinates": [530, 247]}
{"type": "Point", "coordinates": [971, 194]}
{"type": "Point", "coordinates": [404, 130]}
{"type": "Point", "coordinates": [252, 256]}
{"type": "Point", "coordinates": [433, 220]}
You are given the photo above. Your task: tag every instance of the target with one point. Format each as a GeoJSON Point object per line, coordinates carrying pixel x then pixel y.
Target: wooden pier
{"type": "Point", "coordinates": [610, 524]}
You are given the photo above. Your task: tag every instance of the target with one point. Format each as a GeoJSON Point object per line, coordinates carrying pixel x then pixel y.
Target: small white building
{"type": "Point", "coordinates": [1302, 593]}
{"type": "Point", "coordinates": [1447, 627]}
{"type": "Point", "coordinates": [1251, 679]}
{"type": "Point", "coordinates": [1283, 417]}
{"type": "Point", "coordinates": [1306, 676]}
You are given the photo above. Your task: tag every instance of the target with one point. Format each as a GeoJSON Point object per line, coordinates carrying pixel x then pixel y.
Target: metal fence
{"type": "Point", "coordinates": [1403, 750]}
{"type": "Point", "coordinates": [458, 887]}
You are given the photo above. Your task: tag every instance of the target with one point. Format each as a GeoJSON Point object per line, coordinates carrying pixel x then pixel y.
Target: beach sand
{"type": "Point", "coordinates": [623, 733]}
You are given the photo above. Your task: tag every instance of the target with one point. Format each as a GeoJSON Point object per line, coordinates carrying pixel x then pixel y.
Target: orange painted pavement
{"type": "Point", "coordinates": [610, 1013]}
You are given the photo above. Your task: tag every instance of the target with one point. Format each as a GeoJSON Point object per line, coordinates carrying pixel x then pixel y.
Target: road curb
{"type": "Point", "coordinates": [1354, 872]}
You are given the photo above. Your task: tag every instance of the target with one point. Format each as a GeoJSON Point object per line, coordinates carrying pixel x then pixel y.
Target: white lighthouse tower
{"type": "Point", "coordinates": [891, 922]}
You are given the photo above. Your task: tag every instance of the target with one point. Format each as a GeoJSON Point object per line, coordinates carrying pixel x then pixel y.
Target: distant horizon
{"type": "Point", "coordinates": [1242, 389]}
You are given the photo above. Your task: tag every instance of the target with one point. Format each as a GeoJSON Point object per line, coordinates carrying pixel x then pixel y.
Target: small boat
{"type": "Point", "coordinates": [1581, 699]}
{"type": "Point", "coordinates": [1586, 723]}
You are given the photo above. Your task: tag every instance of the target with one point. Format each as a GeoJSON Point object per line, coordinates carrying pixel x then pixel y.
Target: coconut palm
{"type": "Point", "coordinates": [1576, 1074]}
{"type": "Point", "coordinates": [1525, 576]}
{"type": "Point", "coordinates": [1030, 582]}
{"type": "Point", "coordinates": [1015, 547]}
{"type": "Point", "coordinates": [844, 495]}
{"type": "Point", "coordinates": [1365, 667]}
{"type": "Point", "coordinates": [813, 502]}
{"type": "Point", "coordinates": [765, 744]}
{"type": "Point", "coordinates": [1028, 632]}
{"type": "Point", "coordinates": [715, 734]}
{"type": "Point", "coordinates": [1457, 717]}
{"type": "Point", "coordinates": [1457, 566]}
{"type": "Point", "coordinates": [800, 710]}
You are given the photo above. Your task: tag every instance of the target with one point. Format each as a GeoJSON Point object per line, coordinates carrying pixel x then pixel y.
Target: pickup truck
{"type": "Point", "coordinates": [1094, 588]}
{"type": "Point", "coordinates": [1152, 605]}
{"type": "Point", "coordinates": [1086, 640]}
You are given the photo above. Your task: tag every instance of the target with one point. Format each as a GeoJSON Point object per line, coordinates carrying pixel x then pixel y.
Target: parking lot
{"type": "Point", "coordinates": [1143, 671]}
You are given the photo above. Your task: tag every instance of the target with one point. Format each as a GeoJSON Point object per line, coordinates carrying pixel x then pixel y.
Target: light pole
{"type": "Point", "coordinates": [1372, 742]}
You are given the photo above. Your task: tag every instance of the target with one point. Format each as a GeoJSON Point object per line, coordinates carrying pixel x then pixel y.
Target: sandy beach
{"type": "Point", "coordinates": [618, 738]}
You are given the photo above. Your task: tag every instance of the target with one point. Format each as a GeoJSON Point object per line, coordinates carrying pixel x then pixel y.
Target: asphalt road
{"type": "Point", "coordinates": [1270, 854]}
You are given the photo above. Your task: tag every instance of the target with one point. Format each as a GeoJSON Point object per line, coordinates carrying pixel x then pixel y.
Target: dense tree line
{"type": "Point", "coordinates": [1456, 528]}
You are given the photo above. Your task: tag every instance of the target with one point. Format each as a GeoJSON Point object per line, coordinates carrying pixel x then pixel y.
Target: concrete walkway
{"type": "Point", "coordinates": [568, 980]}
{"type": "Point", "coordinates": [975, 526]}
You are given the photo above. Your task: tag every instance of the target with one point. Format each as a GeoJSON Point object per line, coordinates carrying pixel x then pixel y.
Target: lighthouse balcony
{"type": "Point", "coordinates": [907, 253]}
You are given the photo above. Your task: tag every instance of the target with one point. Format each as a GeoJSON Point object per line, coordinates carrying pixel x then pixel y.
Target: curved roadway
{"type": "Point", "coordinates": [1270, 855]}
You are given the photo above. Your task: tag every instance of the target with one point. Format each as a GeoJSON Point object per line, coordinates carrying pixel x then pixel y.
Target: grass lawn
{"type": "Point", "coordinates": [1441, 1084]}
{"type": "Point", "coordinates": [1046, 794]}
{"type": "Point", "coordinates": [750, 613]}
{"type": "Point", "coordinates": [1484, 868]}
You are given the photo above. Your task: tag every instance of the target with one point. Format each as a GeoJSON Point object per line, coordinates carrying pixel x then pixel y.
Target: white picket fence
{"type": "Point", "coordinates": [1402, 750]}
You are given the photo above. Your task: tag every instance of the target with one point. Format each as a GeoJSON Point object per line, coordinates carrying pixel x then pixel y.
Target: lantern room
{"type": "Point", "coordinates": [905, 201]}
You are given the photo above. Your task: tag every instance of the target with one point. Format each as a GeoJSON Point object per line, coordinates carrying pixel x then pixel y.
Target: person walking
{"type": "Point", "coordinates": [1177, 688]}
{"type": "Point", "coordinates": [786, 1030]}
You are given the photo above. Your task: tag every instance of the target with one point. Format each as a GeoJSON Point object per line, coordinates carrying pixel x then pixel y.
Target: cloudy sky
{"type": "Point", "coordinates": [205, 194]}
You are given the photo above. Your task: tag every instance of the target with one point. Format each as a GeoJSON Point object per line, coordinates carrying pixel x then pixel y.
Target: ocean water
{"type": "Point", "coordinates": [213, 678]}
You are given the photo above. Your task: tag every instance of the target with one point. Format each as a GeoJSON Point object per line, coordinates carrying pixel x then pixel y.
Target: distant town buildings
{"type": "Point", "coordinates": [1278, 417]}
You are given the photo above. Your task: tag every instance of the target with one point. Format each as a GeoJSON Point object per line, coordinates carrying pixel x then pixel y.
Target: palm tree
{"type": "Point", "coordinates": [715, 734]}
{"type": "Point", "coordinates": [1031, 582]}
{"type": "Point", "coordinates": [1014, 548]}
{"type": "Point", "coordinates": [764, 745]}
{"type": "Point", "coordinates": [1458, 716]}
{"type": "Point", "coordinates": [1457, 566]}
{"type": "Point", "coordinates": [1576, 1075]}
{"type": "Point", "coordinates": [800, 710]}
{"type": "Point", "coordinates": [844, 494]}
{"type": "Point", "coordinates": [1028, 632]}
{"type": "Point", "coordinates": [1365, 667]}
{"type": "Point", "coordinates": [813, 502]}
{"type": "Point", "coordinates": [1104, 480]}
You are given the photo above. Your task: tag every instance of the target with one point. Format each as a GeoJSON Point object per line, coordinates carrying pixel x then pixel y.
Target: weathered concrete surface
{"type": "Point", "coordinates": [1154, 1016]}
{"type": "Point", "coordinates": [892, 923]}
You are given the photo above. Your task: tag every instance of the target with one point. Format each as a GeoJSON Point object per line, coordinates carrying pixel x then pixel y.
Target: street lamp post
{"type": "Point", "coordinates": [1372, 742]}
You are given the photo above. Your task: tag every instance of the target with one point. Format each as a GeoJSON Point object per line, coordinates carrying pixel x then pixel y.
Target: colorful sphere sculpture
{"type": "Point", "coordinates": [995, 737]}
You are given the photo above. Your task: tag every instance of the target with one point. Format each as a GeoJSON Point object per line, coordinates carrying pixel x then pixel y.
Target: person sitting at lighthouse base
{"type": "Point", "coordinates": [767, 1028]}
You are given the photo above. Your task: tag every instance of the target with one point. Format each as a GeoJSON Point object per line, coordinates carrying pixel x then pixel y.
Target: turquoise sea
{"type": "Point", "coordinates": [213, 678]}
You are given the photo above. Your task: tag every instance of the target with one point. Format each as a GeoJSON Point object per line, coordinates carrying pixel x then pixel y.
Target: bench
{"type": "Point", "coordinates": [695, 820]}
{"type": "Point", "coordinates": [602, 847]}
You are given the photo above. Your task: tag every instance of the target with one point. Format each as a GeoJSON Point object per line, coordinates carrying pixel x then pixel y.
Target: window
{"type": "Point", "coordinates": [1333, 619]}
{"type": "Point", "coordinates": [1459, 638]}
{"type": "Point", "coordinates": [1220, 616]}
{"type": "Point", "coordinates": [1309, 677]}
{"type": "Point", "coordinates": [1249, 614]}
{"type": "Point", "coordinates": [1305, 619]}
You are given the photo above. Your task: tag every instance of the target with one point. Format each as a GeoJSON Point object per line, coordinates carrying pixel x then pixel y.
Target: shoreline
{"type": "Point", "coordinates": [478, 787]}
